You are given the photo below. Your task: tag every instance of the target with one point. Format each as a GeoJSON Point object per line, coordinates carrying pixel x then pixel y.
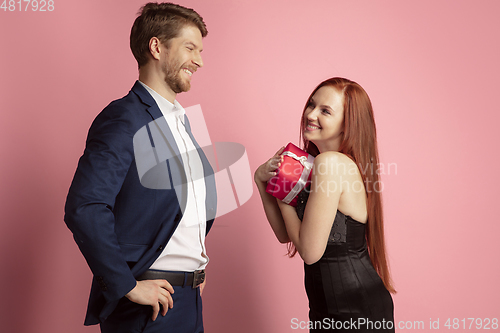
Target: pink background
{"type": "Point", "coordinates": [430, 67]}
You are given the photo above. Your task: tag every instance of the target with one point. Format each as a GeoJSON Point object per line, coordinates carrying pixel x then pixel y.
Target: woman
{"type": "Point", "coordinates": [337, 226]}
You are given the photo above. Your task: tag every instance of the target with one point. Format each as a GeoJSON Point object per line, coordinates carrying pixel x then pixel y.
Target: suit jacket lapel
{"type": "Point", "coordinates": [175, 161]}
{"type": "Point", "coordinates": [157, 117]}
{"type": "Point", "coordinates": [206, 164]}
{"type": "Point", "coordinates": [211, 194]}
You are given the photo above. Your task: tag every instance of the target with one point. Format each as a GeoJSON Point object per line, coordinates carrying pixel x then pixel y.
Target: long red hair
{"type": "Point", "coordinates": [360, 144]}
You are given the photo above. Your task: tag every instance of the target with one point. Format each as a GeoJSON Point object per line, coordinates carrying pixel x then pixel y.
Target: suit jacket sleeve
{"type": "Point", "coordinates": [89, 207]}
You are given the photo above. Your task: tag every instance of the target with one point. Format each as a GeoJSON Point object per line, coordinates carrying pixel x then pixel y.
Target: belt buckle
{"type": "Point", "coordinates": [198, 278]}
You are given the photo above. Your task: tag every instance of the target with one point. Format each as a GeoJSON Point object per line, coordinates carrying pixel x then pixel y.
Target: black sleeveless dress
{"type": "Point", "coordinates": [344, 290]}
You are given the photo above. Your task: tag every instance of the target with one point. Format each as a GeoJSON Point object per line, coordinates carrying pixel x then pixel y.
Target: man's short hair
{"type": "Point", "coordinates": [164, 21]}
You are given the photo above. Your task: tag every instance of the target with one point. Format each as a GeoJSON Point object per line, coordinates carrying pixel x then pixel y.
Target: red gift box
{"type": "Point", "coordinates": [293, 175]}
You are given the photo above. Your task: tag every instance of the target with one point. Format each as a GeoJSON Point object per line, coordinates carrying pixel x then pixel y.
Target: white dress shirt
{"type": "Point", "coordinates": [185, 251]}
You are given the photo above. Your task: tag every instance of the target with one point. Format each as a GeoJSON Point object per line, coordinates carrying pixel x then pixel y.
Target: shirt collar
{"type": "Point", "coordinates": [166, 107]}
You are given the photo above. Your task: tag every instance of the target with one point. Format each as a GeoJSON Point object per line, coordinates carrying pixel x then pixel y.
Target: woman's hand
{"type": "Point", "coordinates": [273, 213]}
{"type": "Point", "coordinates": [268, 169]}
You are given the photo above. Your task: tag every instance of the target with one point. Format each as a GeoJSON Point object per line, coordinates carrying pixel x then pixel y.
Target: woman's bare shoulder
{"type": "Point", "coordinates": [334, 162]}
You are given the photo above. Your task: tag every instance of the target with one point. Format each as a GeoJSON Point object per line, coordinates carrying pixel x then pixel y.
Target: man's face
{"type": "Point", "coordinates": [182, 59]}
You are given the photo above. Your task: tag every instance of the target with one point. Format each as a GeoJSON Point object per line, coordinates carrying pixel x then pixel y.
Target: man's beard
{"type": "Point", "coordinates": [173, 78]}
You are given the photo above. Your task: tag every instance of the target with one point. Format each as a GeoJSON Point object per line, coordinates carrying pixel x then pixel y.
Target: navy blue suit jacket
{"type": "Point", "coordinates": [121, 226]}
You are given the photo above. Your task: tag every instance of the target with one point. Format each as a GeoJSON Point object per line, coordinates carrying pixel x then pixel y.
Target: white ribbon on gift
{"type": "Point", "coordinates": [307, 163]}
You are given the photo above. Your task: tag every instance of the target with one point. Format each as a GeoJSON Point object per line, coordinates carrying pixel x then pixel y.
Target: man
{"type": "Point", "coordinates": [145, 244]}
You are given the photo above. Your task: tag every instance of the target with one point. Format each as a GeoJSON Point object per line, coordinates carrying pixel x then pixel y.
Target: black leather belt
{"type": "Point", "coordinates": [193, 279]}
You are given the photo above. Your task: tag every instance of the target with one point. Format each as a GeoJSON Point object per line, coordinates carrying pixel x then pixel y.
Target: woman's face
{"type": "Point", "coordinates": [324, 118]}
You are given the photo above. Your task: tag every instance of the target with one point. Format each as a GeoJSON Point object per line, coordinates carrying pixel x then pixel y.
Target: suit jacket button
{"type": "Point", "coordinates": [101, 283]}
{"type": "Point", "coordinates": [160, 248]}
{"type": "Point", "coordinates": [177, 218]}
